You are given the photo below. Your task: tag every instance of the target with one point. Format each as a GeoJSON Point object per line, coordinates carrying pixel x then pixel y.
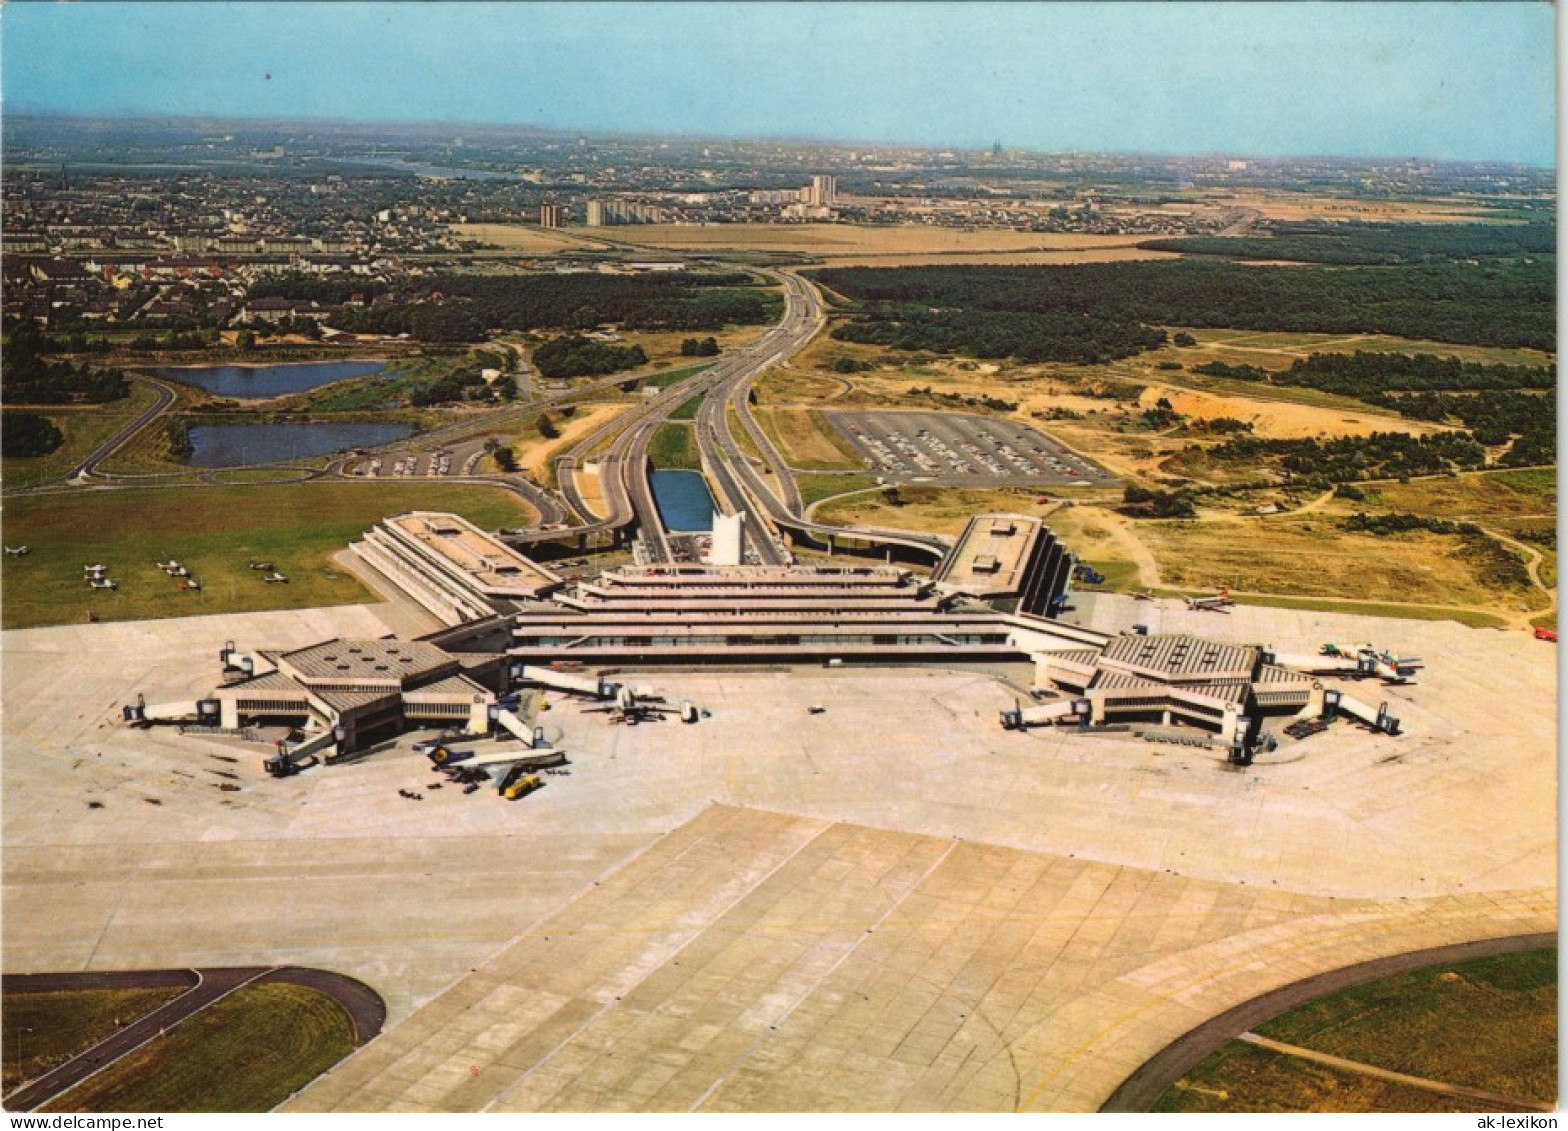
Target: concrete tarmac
{"type": "Point", "coordinates": [1166, 887]}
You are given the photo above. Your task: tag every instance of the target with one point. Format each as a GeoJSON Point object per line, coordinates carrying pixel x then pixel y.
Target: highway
{"type": "Point", "coordinates": [770, 498]}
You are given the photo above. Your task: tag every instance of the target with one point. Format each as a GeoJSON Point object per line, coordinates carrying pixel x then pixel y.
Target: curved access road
{"type": "Point", "coordinates": [363, 1005]}
{"type": "Point", "coordinates": [1141, 1090]}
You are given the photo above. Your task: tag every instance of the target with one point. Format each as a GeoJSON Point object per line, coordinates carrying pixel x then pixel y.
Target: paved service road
{"type": "Point", "coordinates": [1143, 1088]}
{"type": "Point", "coordinates": [117, 441]}
{"type": "Point", "coordinates": [212, 985]}
{"type": "Point", "coordinates": [363, 1005]}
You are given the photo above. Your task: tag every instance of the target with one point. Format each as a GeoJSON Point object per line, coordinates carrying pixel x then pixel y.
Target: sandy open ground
{"type": "Point", "coordinates": [892, 903]}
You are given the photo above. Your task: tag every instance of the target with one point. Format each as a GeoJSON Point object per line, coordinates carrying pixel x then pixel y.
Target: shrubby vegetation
{"type": "Point", "coordinates": [1401, 523]}
{"type": "Point", "coordinates": [1143, 502]}
{"type": "Point", "coordinates": [1381, 455]}
{"type": "Point", "coordinates": [995, 404]}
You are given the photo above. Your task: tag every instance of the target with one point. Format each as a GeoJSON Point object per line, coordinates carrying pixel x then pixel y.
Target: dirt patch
{"type": "Point", "coordinates": [536, 452]}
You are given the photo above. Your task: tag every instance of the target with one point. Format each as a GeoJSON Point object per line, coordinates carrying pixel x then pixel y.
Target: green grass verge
{"type": "Point", "coordinates": [215, 532]}
{"type": "Point", "coordinates": [45, 1029]}
{"type": "Point", "coordinates": [665, 380]}
{"type": "Point", "coordinates": [688, 409]}
{"type": "Point", "coordinates": [816, 487]}
{"type": "Point", "coordinates": [1489, 1023]}
{"type": "Point", "coordinates": [246, 1052]}
{"type": "Point", "coordinates": [1473, 619]}
{"type": "Point", "coordinates": [1245, 1078]}
{"type": "Point", "coordinates": [1120, 576]}
{"type": "Point", "coordinates": [674, 447]}
{"type": "Point", "coordinates": [84, 427]}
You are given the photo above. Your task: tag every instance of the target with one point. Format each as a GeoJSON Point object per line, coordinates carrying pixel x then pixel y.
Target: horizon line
{"type": "Point", "coordinates": [306, 119]}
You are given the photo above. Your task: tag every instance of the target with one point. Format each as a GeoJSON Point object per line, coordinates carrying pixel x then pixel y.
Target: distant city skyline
{"type": "Point", "coordinates": [1457, 81]}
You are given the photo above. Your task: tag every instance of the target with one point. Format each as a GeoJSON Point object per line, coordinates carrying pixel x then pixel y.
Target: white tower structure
{"type": "Point", "coordinates": [729, 540]}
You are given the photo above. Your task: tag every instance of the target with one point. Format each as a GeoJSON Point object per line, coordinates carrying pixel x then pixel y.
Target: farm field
{"type": "Point", "coordinates": [523, 239]}
{"type": "Point", "coordinates": [248, 1051]}
{"type": "Point", "coordinates": [1301, 206]}
{"type": "Point", "coordinates": [42, 1030]}
{"type": "Point", "coordinates": [898, 245]}
{"type": "Point", "coordinates": [1489, 1024]}
{"type": "Point", "coordinates": [215, 532]}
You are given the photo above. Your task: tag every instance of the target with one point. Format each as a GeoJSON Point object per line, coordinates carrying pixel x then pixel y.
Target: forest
{"type": "Point", "coordinates": [461, 308]}
{"type": "Point", "coordinates": [1361, 243]}
{"type": "Point", "coordinates": [31, 379]}
{"type": "Point", "coordinates": [1502, 303]}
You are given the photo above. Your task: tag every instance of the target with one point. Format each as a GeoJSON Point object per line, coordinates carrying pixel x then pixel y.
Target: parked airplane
{"type": "Point", "coordinates": [1218, 603]}
{"type": "Point", "coordinates": [18, 552]}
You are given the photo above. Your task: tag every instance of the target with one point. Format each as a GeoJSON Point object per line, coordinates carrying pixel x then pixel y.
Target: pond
{"type": "Point", "coordinates": [241, 445]}
{"type": "Point", "coordinates": [685, 503]}
{"type": "Point", "coordinates": [270, 380]}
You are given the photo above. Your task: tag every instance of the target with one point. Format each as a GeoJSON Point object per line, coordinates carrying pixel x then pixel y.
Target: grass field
{"type": "Point", "coordinates": [1489, 1023]}
{"type": "Point", "coordinates": [1311, 556]}
{"type": "Point", "coordinates": [247, 1052]}
{"type": "Point", "coordinates": [85, 427]}
{"type": "Point", "coordinates": [674, 447]}
{"type": "Point", "coordinates": [1499, 495]}
{"type": "Point", "coordinates": [1244, 1078]}
{"type": "Point", "coordinates": [46, 1029]}
{"type": "Point", "coordinates": [215, 532]}
{"type": "Point", "coordinates": [815, 488]}
{"type": "Point", "coordinates": [807, 440]}
{"type": "Point", "coordinates": [931, 509]}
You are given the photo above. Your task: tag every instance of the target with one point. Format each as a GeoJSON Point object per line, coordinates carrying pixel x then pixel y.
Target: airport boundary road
{"type": "Point", "coordinates": [1140, 1091]}
{"type": "Point", "coordinates": [363, 1005]}
{"type": "Point", "coordinates": [211, 985]}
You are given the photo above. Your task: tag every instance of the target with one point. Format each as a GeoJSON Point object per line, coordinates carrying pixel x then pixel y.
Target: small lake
{"type": "Point", "coordinates": [270, 380]}
{"type": "Point", "coordinates": [240, 445]}
{"type": "Point", "coordinates": [685, 503]}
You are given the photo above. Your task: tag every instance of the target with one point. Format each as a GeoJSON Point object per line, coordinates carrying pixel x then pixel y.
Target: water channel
{"type": "Point", "coordinates": [242, 445]}
{"type": "Point", "coordinates": [270, 380]}
{"type": "Point", "coordinates": [685, 504]}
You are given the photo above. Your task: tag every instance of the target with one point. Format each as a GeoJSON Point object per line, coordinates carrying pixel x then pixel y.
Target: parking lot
{"type": "Point", "coordinates": [964, 450]}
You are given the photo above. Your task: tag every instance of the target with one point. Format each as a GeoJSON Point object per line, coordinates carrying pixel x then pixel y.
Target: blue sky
{"type": "Point", "coordinates": [1469, 80]}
